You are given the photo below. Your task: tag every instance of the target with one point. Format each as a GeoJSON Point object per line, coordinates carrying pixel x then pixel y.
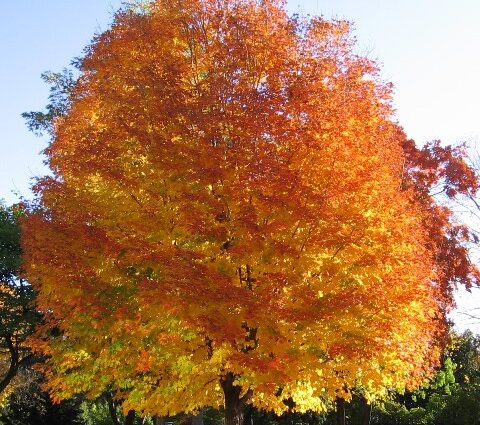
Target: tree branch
{"type": "Point", "coordinates": [13, 368]}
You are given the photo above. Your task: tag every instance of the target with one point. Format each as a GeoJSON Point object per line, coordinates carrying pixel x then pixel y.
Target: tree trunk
{"type": "Point", "coordinates": [234, 404]}
{"type": "Point", "coordinates": [13, 367]}
{"type": "Point", "coordinates": [340, 402]}
{"type": "Point", "coordinates": [366, 411]}
{"type": "Point", "coordinates": [130, 418]}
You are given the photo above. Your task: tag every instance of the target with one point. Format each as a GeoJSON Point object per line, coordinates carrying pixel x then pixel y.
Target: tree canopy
{"type": "Point", "coordinates": [234, 217]}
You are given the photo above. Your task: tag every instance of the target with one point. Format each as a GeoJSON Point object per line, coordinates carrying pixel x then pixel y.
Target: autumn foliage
{"type": "Point", "coordinates": [234, 217]}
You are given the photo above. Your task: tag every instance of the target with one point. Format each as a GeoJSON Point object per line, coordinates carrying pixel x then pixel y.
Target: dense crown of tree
{"type": "Point", "coordinates": [233, 217]}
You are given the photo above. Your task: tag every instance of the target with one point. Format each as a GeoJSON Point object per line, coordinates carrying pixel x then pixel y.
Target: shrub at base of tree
{"type": "Point", "coordinates": [29, 404]}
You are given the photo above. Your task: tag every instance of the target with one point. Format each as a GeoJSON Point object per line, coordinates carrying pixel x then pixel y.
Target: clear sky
{"type": "Point", "coordinates": [429, 49]}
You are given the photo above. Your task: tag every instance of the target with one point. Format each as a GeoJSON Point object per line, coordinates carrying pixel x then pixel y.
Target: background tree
{"type": "Point", "coordinates": [61, 85]}
{"type": "Point", "coordinates": [449, 398]}
{"type": "Point", "coordinates": [17, 312]}
{"type": "Point", "coordinates": [230, 196]}
{"type": "Point", "coordinates": [30, 404]}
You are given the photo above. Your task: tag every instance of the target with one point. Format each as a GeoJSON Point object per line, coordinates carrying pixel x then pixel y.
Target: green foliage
{"type": "Point", "coordinates": [10, 251]}
{"type": "Point", "coordinates": [440, 384]}
{"type": "Point", "coordinates": [393, 413]}
{"type": "Point", "coordinates": [95, 413]}
{"type": "Point", "coordinates": [16, 296]}
{"type": "Point", "coordinates": [465, 354]}
{"type": "Point", "coordinates": [450, 398]}
{"type": "Point", "coordinates": [18, 316]}
{"type": "Point", "coordinates": [61, 86]}
{"type": "Point", "coordinates": [462, 407]}
{"type": "Point", "coordinates": [30, 405]}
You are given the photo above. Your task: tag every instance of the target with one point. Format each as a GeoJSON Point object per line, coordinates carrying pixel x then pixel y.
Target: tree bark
{"type": "Point", "coordinates": [13, 367]}
{"type": "Point", "coordinates": [130, 418]}
{"type": "Point", "coordinates": [234, 404]}
{"type": "Point", "coordinates": [366, 411]}
{"type": "Point", "coordinates": [340, 402]}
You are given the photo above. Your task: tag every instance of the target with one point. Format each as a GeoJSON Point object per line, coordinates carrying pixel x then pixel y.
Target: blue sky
{"type": "Point", "coordinates": [429, 49]}
{"type": "Point", "coordinates": [35, 36]}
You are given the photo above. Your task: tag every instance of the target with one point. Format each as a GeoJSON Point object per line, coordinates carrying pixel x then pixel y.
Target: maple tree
{"type": "Point", "coordinates": [234, 218]}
